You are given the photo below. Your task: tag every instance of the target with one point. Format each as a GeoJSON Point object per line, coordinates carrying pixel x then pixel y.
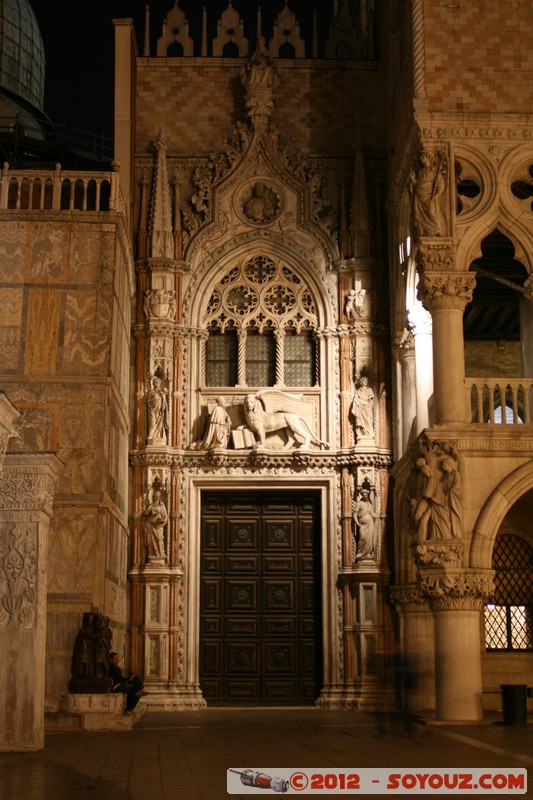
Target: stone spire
{"type": "Point", "coordinates": [146, 51]}
{"type": "Point", "coordinates": [203, 51]}
{"type": "Point", "coordinates": [161, 244]}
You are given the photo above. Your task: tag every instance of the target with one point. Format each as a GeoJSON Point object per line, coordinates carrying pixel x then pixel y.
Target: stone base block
{"type": "Point", "coordinates": [95, 712]}
{"type": "Point", "coordinates": [173, 702]}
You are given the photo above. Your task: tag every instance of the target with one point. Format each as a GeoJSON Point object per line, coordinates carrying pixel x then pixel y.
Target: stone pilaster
{"type": "Point", "coordinates": [445, 293]}
{"type": "Point", "coordinates": [26, 494]}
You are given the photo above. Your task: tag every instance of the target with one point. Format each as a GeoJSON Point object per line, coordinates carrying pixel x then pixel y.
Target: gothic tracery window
{"type": "Point", "coordinates": [261, 320]}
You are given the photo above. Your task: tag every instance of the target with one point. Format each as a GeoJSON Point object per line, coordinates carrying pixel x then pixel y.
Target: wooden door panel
{"type": "Point", "coordinates": [260, 627]}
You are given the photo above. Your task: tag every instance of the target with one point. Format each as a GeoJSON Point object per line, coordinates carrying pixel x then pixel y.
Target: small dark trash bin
{"type": "Point", "coordinates": [514, 703]}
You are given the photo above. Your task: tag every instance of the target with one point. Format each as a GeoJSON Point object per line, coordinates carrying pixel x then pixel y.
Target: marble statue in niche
{"type": "Point", "coordinates": [155, 520]}
{"type": "Point", "coordinates": [427, 190]}
{"type": "Point", "coordinates": [366, 526]}
{"type": "Point", "coordinates": [157, 408]}
{"type": "Point", "coordinates": [362, 409]}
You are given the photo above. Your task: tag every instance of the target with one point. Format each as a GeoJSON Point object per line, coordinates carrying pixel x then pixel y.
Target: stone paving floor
{"type": "Point", "coordinates": [184, 756]}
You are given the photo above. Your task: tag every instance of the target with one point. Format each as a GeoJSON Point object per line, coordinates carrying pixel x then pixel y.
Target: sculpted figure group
{"type": "Point", "coordinates": [436, 506]}
{"type": "Point", "coordinates": [265, 412]}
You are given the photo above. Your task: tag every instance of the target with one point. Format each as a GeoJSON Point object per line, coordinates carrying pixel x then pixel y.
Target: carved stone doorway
{"type": "Point", "coordinates": [260, 614]}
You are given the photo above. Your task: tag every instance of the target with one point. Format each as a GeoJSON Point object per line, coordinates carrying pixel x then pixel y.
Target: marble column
{"type": "Point", "coordinates": [418, 641]}
{"type": "Point", "coordinates": [456, 599]}
{"type": "Point", "coordinates": [26, 493]}
{"type": "Point", "coordinates": [421, 327]}
{"type": "Point", "coordinates": [445, 293]}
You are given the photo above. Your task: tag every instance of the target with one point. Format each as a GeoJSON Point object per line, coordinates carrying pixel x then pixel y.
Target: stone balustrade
{"type": "Point", "coordinates": [61, 190]}
{"type": "Point", "coordinates": [496, 401]}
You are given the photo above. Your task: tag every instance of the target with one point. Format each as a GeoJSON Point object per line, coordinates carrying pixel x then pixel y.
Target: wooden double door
{"type": "Point", "coordinates": [260, 620]}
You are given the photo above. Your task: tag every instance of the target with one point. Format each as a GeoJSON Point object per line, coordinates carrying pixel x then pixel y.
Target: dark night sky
{"type": "Point", "coordinates": [79, 45]}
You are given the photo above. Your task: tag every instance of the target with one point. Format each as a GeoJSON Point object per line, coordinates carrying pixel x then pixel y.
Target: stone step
{"type": "Point", "coordinates": [61, 722]}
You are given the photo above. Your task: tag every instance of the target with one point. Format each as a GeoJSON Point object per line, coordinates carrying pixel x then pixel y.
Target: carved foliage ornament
{"type": "Point", "coordinates": [459, 591]}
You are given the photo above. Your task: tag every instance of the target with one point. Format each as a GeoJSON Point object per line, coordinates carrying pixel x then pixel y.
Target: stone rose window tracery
{"type": "Point", "coordinates": [261, 319]}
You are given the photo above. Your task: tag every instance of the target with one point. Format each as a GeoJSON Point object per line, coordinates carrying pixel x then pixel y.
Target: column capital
{"type": "Point", "coordinates": [440, 289]}
{"type": "Point", "coordinates": [451, 590]}
{"type": "Point", "coordinates": [440, 285]}
{"type": "Point", "coordinates": [408, 597]}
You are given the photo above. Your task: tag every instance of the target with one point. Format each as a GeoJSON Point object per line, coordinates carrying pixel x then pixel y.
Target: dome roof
{"type": "Point", "coordinates": [21, 52]}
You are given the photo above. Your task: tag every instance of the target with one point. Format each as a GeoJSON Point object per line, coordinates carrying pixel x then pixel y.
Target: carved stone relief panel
{"type": "Point", "coordinates": [18, 575]}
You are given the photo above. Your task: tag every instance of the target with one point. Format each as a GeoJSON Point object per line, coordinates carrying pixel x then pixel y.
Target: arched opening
{"type": "Point", "coordinates": [287, 50]}
{"type": "Point", "coordinates": [175, 50]}
{"type": "Point", "coordinates": [493, 322]}
{"type": "Point", "coordinates": [230, 50]}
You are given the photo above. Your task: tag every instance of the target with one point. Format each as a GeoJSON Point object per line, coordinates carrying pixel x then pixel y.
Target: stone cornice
{"type": "Point", "coordinates": [257, 459]}
{"type": "Point", "coordinates": [168, 329]}
{"type": "Point", "coordinates": [357, 264]}
{"type": "Point", "coordinates": [478, 127]}
{"type": "Point", "coordinates": [162, 265]}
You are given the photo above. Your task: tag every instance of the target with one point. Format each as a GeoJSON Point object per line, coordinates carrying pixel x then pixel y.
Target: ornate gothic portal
{"type": "Point", "coordinates": [261, 453]}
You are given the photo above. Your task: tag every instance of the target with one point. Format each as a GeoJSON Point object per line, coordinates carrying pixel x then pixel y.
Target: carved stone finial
{"type": "Point", "coordinates": [260, 78]}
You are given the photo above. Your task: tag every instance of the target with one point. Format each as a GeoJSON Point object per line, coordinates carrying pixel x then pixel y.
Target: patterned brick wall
{"type": "Point", "coordinates": [326, 107]}
{"type": "Point", "coordinates": [479, 56]}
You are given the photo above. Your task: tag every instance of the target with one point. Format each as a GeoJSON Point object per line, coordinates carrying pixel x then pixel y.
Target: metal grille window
{"type": "Point", "coordinates": [260, 359]}
{"type": "Point", "coordinates": [222, 359]}
{"type": "Point", "coordinates": [509, 620]}
{"type": "Point", "coordinates": [299, 353]}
